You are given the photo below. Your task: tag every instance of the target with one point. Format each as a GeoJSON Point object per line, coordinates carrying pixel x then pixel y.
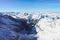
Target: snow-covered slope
{"type": "Point", "coordinates": [15, 28]}
{"type": "Point", "coordinates": [47, 25]}
{"type": "Point", "coordinates": [48, 28]}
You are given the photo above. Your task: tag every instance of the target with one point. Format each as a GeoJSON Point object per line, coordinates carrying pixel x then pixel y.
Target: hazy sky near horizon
{"type": "Point", "coordinates": [29, 5]}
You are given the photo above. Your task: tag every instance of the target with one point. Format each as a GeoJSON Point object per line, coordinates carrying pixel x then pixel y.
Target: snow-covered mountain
{"type": "Point", "coordinates": [30, 26]}
{"type": "Point", "coordinates": [16, 28]}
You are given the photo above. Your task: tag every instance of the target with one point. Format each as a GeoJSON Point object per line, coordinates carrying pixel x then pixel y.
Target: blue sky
{"type": "Point", "coordinates": [19, 5]}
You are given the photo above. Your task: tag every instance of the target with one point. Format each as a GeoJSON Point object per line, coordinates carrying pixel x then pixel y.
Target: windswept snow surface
{"type": "Point", "coordinates": [47, 26]}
